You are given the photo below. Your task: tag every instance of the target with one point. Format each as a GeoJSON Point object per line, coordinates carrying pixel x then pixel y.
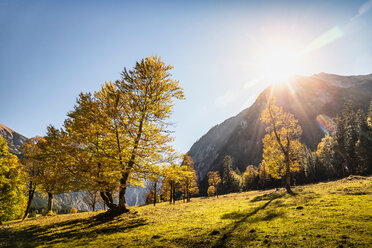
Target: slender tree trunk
{"type": "Point", "coordinates": [154, 194]}
{"type": "Point", "coordinates": [31, 193]}
{"type": "Point", "coordinates": [288, 178]}
{"type": "Point", "coordinates": [171, 193]}
{"type": "Point", "coordinates": [184, 194]}
{"type": "Point", "coordinates": [174, 194]}
{"type": "Point", "coordinates": [216, 192]}
{"type": "Point", "coordinates": [50, 202]}
{"type": "Point", "coordinates": [188, 193]}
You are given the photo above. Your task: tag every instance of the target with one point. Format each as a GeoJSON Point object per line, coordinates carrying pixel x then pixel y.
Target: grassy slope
{"type": "Point", "coordinates": [334, 214]}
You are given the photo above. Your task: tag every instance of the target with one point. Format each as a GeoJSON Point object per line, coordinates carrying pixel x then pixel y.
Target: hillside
{"type": "Point", "coordinates": [14, 139]}
{"type": "Point", "coordinates": [305, 97]}
{"type": "Point", "coordinates": [333, 214]}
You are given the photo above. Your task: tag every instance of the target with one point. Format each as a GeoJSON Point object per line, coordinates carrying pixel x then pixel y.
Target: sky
{"type": "Point", "coordinates": [50, 51]}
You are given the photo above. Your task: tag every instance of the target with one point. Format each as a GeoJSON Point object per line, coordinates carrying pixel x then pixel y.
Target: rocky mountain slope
{"type": "Point", "coordinates": [305, 97]}
{"type": "Point", "coordinates": [15, 140]}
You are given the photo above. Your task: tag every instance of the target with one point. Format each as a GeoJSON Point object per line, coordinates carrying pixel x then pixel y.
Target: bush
{"type": "Point", "coordinates": [51, 213]}
{"type": "Point", "coordinates": [211, 191]}
{"type": "Point", "coordinates": [73, 211]}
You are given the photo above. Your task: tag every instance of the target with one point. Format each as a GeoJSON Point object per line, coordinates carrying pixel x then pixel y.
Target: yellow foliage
{"type": "Point", "coordinates": [281, 145]}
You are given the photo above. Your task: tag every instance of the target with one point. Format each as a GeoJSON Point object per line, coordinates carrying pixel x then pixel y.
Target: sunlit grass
{"type": "Point", "coordinates": [321, 215]}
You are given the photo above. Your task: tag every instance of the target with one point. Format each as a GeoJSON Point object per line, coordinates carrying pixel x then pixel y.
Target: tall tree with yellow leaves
{"type": "Point", "coordinates": [31, 166]}
{"type": "Point", "coordinates": [11, 184]}
{"type": "Point", "coordinates": [122, 129]}
{"type": "Point", "coordinates": [281, 144]}
{"type": "Point", "coordinates": [189, 184]}
{"type": "Point", "coordinates": [53, 176]}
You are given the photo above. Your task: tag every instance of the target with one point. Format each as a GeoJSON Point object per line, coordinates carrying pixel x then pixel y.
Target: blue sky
{"type": "Point", "coordinates": [50, 51]}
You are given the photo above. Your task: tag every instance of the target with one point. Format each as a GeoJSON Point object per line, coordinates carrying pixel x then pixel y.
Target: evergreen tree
{"type": "Point", "coordinates": [351, 138]}
{"type": "Point", "coordinates": [364, 144]}
{"type": "Point", "coordinates": [228, 179]}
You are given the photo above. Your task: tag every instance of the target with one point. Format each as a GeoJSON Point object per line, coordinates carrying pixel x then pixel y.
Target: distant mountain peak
{"type": "Point", "coordinates": [343, 81]}
{"type": "Point", "coordinates": [305, 97]}
{"type": "Point", "coordinates": [15, 140]}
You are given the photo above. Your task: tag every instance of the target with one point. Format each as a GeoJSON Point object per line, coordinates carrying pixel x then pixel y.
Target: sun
{"type": "Point", "coordinates": [279, 65]}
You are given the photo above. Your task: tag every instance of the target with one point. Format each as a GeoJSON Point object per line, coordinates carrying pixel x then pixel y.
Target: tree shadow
{"type": "Point", "coordinates": [76, 229]}
{"type": "Point", "coordinates": [242, 217]}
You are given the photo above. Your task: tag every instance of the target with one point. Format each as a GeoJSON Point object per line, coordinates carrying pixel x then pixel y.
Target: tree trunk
{"type": "Point", "coordinates": [174, 194]}
{"type": "Point", "coordinates": [170, 193]}
{"type": "Point", "coordinates": [288, 178]}
{"type": "Point", "coordinates": [154, 194]}
{"type": "Point", "coordinates": [50, 202]}
{"type": "Point", "coordinates": [31, 193]}
{"type": "Point", "coordinates": [107, 198]}
{"type": "Point", "coordinates": [188, 193]}
{"type": "Point", "coordinates": [123, 189]}
{"type": "Point", "coordinates": [216, 192]}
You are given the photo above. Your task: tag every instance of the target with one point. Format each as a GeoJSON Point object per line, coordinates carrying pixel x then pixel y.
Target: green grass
{"type": "Point", "coordinates": [333, 214]}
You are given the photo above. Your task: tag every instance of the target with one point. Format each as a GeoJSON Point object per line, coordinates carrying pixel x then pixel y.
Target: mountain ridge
{"type": "Point", "coordinates": [241, 136]}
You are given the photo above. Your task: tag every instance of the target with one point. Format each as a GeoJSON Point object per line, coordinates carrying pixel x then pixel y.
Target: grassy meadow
{"type": "Point", "coordinates": [332, 214]}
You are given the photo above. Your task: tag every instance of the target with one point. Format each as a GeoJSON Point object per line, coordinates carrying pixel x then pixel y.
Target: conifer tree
{"type": "Point", "coordinates": [228, 179]}
{"type": "Point", "coordinates": [364, 144]}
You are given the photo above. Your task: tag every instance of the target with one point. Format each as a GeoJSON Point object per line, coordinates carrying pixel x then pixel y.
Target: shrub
{"type": "Point", "coordinates": [51, 213]}
{"type": "Point", "coordinates": [73, 211]}
{"type": "Point", "coordinates": [211, 191]}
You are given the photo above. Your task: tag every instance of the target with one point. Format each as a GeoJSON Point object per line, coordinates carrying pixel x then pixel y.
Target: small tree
{"type": "Point", "coordinates": [237, 182]}
{"type": "Point", "coordinates": [281, 145]}
{"type": "Point", "coordinates": [172, 177]}
{"type": "Point", "coordinates": [264, 176]}
{"type": "Point", "coordinates": [91, 198]}
{"type": "Point", "coordinates": [214, 180]}
{"type": "Point", "coordinates": [11, 184]}
{"type": "Point", "coordinates": [189, 184]}
{"type": "Point", "coordinates": [250, 178]}
{"type": "Point", "coordinates": [211, 191]}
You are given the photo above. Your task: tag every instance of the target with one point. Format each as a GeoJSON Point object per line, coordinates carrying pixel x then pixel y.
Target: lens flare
{"type": "Point", "coordinates": [326, 124]}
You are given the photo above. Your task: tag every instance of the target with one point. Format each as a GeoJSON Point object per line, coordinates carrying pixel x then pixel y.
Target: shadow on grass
{"type": "Point", "coordinates": [51, 234]}
{"type": "Point", "coordinates": [241, 217]}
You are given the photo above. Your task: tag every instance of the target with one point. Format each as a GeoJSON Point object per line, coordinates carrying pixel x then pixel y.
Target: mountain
{"type": "Point", "coordinates": [305, 97]}
{"type": "Point", "coordinates": [15, 140]}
